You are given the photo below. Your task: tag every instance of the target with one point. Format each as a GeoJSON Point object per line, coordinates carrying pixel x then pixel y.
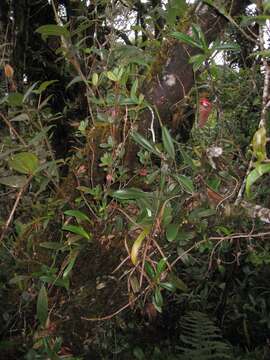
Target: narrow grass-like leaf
{"type": "Point", "coordinates": [42, 306]}
{"type": "Point", "coordinates": [76, 229]}
{"type": "Point", "coordinates": [77, 214]}
{"type": "Point", "coordinates": [139, 139]}
{"type": "Point", "coordinates": [168, 143]}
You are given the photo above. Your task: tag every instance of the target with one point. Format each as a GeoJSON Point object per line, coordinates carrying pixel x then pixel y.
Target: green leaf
{"type": "Point", "coordinates": [15, 99]}
{"type": "Point", "coordinates": [168, 286]}
{"type": "Point", "coordinates": [139, 139]}
{"type": "Point", "coordinates": [186, 183]}
{"type": "Point", "coordinates": [43, 86]}
{"type": "Point", "coordinates": [129, 194]}
{"type": "Point", "coordinates": [29, 91]}
{"type": "Point", "coordinates": [201, 213]}
{"type": "Point", "coordinates": [158, 299]}
{"type": "Point", "coordinates": [42, 306]}
{"type": "Point", "coordinates": [76, 229]}
{"type": "Point", "coordinates": [186, 39]}
{"type": "Point", "coordinates": [161, 266]}
{"type": "Point", "coordinates": [53, 30]}
{"type": "Point", "coordinates": [75, 80]}
{"type": "Point", "coordinates": [168, 143]}
{"type": "Point", "coordinates": [95, 79]}
{"type": "Point", "coordinates": [77, 214]}
{"type": "Point", "coordinates": [72, 258]}
{"type": "Point", "coordinates": [255, 174]}
{"type": "Point", "coordinates": [15, 181]}
{"type": "Point", "coordinates": [199, 37]}
{"type": "Point", "coordinates": [149, 270]}
{"type": "Point", "coordinates": [187, 159]}
{"type": "Point", "coordinates": [52, 245]}
{"type": "Point", "coordinates": [171, 231]}
{"type": "Point", "coordinates": [259, 144]}
{"type": "Point", "coordinates": [177, 282]}
{"type": "Point", "coordinates": [24, 163]}
{"type": "Point", "coordinates": [21, 117]}
{"type": "Point", "coordinates": [111, 76]}
{"type": "Point", "coordinates": [227, 47]}
{"type": "Point", "coordinates": [134, 89]}
{"type": "Point", "coordinates": [197, 61]}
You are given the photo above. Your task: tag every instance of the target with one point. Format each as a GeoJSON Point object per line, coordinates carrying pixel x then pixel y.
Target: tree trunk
{"type": "Point", "coordinates": [172, 75]}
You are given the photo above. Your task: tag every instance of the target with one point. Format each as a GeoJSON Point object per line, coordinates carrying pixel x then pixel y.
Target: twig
{"type": "Point", "coordinates": [12, 129]}
{"type": "Point", "coordinates": [108, 317]}
{"type": "Point", "coordinates": [9, 220]}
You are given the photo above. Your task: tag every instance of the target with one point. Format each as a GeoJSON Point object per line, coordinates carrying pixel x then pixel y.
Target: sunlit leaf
{"type": "Point", "coordinates": [259, 144]}
{"type": "Point", "coordinates": [95, 79]}
{"type": "Point", "coordinates": [111, 76]}
{"type": "Point", "coordinates": [137, 245]}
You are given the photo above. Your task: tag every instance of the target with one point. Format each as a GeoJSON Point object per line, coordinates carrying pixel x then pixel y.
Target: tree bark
{"type": "Point", "coordinates": [173, 75]}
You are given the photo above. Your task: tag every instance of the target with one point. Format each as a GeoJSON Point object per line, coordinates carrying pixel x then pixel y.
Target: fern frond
{"type": "Point", "coordinates": [202, 340]}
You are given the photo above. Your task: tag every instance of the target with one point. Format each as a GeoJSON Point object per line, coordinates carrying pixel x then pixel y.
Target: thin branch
{"type": "Point", "coordinates": [9, 220]}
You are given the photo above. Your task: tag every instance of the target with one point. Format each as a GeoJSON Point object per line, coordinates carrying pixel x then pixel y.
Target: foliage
{"type": "Point", "coordinates": [103, 210]}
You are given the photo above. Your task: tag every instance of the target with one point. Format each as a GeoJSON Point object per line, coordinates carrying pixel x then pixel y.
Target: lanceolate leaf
{"type": "Point", "coordinates": [53, 30]}
{"type": "Point", "coordinates": [255, 174]}
{"type": "Point", "coordinates": [168, 142]}
{"type": "Point", "coordinates": [42, 306]}
{"type": "Point", "coordinates": [186, 39]}
{"type": "Point", "coordinates": [78, 215]}
{"type": "Point", "coordinates": [76, 229]}
{"type": "Point", "coordinates": [129, 194]}
{"type": "Point", "coordinates": [139, 139]}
